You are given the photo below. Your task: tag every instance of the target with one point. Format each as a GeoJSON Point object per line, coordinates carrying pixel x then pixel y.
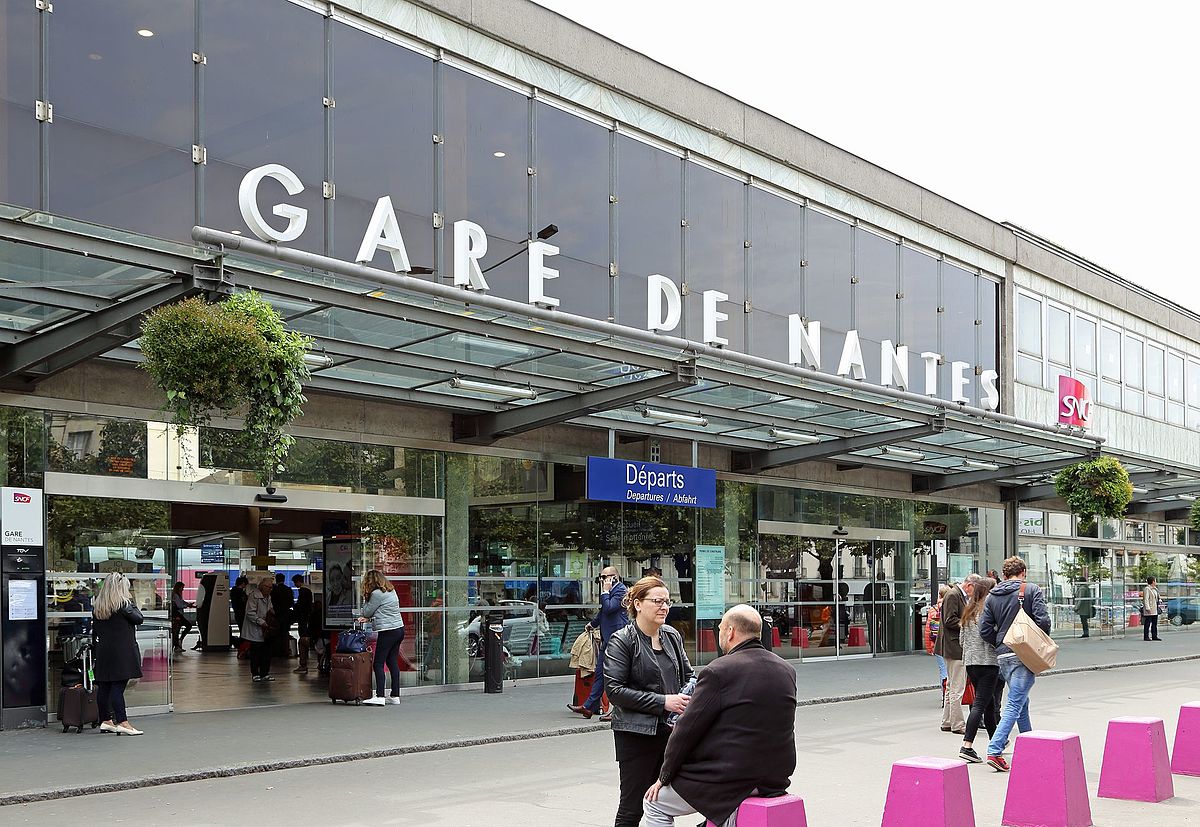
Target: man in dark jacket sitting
{"type": "Point", "coordinates": [998, 614]}
{"type": "Point", "coordinates": [738, 735]}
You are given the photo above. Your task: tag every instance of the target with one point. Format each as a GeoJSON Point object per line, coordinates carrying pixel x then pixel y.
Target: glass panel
{"type": "Point", "coordinates": [1155, 407]}
{"type": "Point", "coordinates": [774, 272]}
{"type": "Point", "coordinates": [876, 309]}
{"type": "Point", "coordinates": [1029, 325]}
{"type": "Point", "coordinates": [649, 216]}
{"type": "Point", "coordinates": [1174, 413]}
{"type": "Point", "coordinates": [989, 320]}
{"type": "Point", "coordinates": [1133, 362]}
{"type": "Point", "coordinates": [1058, 337]}
{"type": "Point", "coordinates": [1175, 377]}
{"type": "Point", "coordinates": [1110, 394]}
{"type": "Point", "coordinates": [1133, 401]}
{"type": "Point", "coordinates": [716, 252]}
{"type": "Point", "coordinates": [827, 297]}
{"type": "Point", "coordinates": [340, 324]}
{"type": "Point", "coordinates": [382, 127]}
{"type": "Point", "coordinates": [120, 147]}
{"type": "Point", "coordinates": [1029, 371]}
{"type": "Point", "coordinates": [572, 192]}
{"type": "Point", "coordinates": [919, 306]}
{"type": "Point", "coordinates": [478, 350]}
{"type": "Point", "coordinates": [1085, 345]}
{"type": "Point", "coordinates": [80, 444]}
{"type": "Point", "coordinates": [1155, 359]}
{"type": "Point", "coordinates": [1193, 384]}
{"type": "Point", "coordinates": [485, 173]}
{"type": "Point", "coordinates": [1110, 353]}
{"type": "Point", "coordinates": [18, 90]}
{"type": "Point", "coordinates": [263, 85]}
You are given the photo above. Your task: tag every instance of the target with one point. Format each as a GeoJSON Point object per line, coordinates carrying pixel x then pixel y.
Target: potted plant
{"type": "Point", "coordinates": [1094, 488]}
{"type": "Point", "coordinates": [233, 357]}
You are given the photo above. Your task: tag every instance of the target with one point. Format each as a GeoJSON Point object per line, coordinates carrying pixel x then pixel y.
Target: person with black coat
{"type": "Point", "coordinates": [644, 669]}
{"type": "Point", "coordinates": [738, 736]}
{"type": "Point", "coordinates": [301, 613]}
{"type": "Point", "coordinates": [237, 599]}
{"type": "Point", "coordinates": [282, 601]}
{"type": "Point", "coordinates": [118, 660]}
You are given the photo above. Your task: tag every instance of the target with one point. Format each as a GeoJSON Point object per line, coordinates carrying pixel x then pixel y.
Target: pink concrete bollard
{"type": "Point", "coordinates": [1185, 757]}
{"type": "Point", "coordinates": [1136, 766]}
{"type": "Point", "coordinates": [1047, 786]}
{"type": "Point", "coordinates": [928, 792]}
{"type": "Point", "coordinates": [782, 811]}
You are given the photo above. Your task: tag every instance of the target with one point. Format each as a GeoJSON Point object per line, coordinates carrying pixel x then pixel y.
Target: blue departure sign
{"type": "Point", "coordinates": [650, 483]}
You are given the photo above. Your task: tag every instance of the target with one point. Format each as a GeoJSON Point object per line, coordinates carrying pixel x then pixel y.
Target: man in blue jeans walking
{"type": "Point", "coordinates": [998, 614]}
{"type": "Point", "coordinates": [611, 617]}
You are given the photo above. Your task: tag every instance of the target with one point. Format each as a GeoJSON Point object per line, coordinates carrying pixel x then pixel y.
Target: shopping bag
{"type": "Point", "coordinates": [968, 697]}
{"type": "Point", "coordinates": [1033, 646]}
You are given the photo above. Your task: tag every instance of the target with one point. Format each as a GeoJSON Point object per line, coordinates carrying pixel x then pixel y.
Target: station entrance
{"type": "Point", "coordinates": [209, 548]}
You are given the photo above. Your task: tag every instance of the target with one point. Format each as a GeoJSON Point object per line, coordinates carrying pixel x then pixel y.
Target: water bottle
{"type": "Point", "coordinates": [688, 689]}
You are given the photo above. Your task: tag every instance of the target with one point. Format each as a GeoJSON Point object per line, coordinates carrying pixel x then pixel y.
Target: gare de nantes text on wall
{"type": "Point", "coordinates": [664, 302]}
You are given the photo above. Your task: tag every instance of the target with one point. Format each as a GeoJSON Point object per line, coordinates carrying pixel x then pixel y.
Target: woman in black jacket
{"type": "Point", "coordinates": [118, 659]}
{"type": "Point", "coordinates": [644, 669]}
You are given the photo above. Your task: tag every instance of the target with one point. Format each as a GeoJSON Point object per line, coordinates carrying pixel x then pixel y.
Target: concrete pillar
{"type": "Point", "coordinates": [458, 525]}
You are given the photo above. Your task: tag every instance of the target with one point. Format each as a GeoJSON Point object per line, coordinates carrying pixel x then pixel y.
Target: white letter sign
{"type": "Point", "coordinates": [470, 245]}
{"type": "Point", "coordinates": [931, 365]}
{"type": "Point", "coordinates": [804, 345]}
{"type": "Point", "coordinates": [658, 289]}
{"type": "Point", "coordinates": [384, 232]}
{"type": "Point", "coordinates": [539, 273]}
{"type": "Point", "coordinates": [851, 363]}
{"type": "Point", "coordinates": [297, 217]}
{"type": "Point", "coordinates": [711, 316]}
{"type": "Point", "coordinates": [893, 363]}
{"type": "Point", "coordinates": [958, 381]}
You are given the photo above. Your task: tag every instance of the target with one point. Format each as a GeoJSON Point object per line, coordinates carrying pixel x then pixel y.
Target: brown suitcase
{"type": "Point", "coordinates": [350, 677]}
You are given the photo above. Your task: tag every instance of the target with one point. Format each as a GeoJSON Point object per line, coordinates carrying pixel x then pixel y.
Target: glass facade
{"type": "Point", "coordinates": [356, 116]}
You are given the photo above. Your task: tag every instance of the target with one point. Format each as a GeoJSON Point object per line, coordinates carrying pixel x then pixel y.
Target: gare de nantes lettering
{"type": "Point", "coordinates": [664, 302]}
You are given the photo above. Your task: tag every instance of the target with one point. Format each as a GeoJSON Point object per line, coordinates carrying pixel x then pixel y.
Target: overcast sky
{"type": "Point", "coordinates": [1075, 120]}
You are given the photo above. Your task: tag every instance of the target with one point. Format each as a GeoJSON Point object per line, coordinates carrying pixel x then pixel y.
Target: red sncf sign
{"type": "Point", "coordinates": [21, 498]}
{"type": "Point", "coordinates": [1074, 402]}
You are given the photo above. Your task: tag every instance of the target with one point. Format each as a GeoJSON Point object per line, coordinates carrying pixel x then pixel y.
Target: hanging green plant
{"type": "Point", "coordinates": [235, 356]}
{"type": "Point", "coordinates": [1095, 488]}
{"type": "Point", "coordinates": [1194, 515]}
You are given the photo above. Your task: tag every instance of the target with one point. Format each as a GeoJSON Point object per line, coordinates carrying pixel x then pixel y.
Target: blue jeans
{"type": "Point", "coordinates": [941, 662]}
{"type": "Point", "coordinates": [1016, 706]}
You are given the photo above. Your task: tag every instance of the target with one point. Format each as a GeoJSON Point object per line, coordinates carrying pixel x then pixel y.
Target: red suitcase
{"type": "Point", "coordinates": [350, 677]}
{"type": "Point", "coordinates": [583, 688]}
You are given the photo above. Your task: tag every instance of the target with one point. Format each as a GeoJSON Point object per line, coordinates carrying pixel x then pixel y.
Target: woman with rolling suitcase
{"type": "Point", "coordinates": [118, 659]}
{"type": "Point", "coordinates": [381, 607]}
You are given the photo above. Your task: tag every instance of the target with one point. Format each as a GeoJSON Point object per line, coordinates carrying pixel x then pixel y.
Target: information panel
{"type": "Point", "coordinates": [710, 582]}
{"type": "Point", "coordinates": [650, 483]}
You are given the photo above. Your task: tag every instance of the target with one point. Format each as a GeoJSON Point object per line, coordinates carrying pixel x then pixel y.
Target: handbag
{"type": "Point", "coordinates": [352, 641]}
{"type": "Point", "coordinates": [1033, 646]}
{"type": "Point", "coordinates": [968, 697]}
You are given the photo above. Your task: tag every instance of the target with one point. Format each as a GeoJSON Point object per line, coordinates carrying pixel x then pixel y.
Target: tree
{"type": "Point", "coordinates": [1150, 565]}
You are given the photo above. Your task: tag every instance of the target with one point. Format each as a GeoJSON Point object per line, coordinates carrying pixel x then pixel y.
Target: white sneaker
{"type": "Point", "coordinates": [393, 700]}
{"type": "Point", "coordinates": [375, 701]}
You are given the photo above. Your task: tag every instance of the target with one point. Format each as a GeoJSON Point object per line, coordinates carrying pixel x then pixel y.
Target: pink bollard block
{"type": "Point", "coordinates": [1047, 786]}
{"type": "Point", "coordinates": [1185, 757]}
{"type": "Point", "coordinates": [1136, 766]}
{"type": "Point", "coordinates": [928, 792]}
{"type": "Point", "coordinates": [782, 811]}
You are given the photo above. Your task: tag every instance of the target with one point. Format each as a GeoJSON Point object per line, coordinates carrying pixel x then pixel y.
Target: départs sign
{"type": "Point", "coordinates": [650, 483]}
{"type": "Point", "coordinates": [1074, 402]}
{"type": "Point", "coordinates": [664, 299]}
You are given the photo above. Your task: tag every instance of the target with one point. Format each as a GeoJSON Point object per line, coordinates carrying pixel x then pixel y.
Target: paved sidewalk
{"type": "Point", "coordinates": [44, 764]}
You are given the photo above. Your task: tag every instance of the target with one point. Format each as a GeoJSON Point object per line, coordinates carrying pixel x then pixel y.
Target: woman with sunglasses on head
{"type": "Point", "coordinates": [645, 667]}
{"type": "Point", "coordinates": [118, 660]}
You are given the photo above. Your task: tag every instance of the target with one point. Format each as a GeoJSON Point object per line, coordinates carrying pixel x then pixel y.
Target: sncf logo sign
{"type": "Point", "coordinates": [1074, 402]}
{"type": "Point", "coordinates": [22, 498]}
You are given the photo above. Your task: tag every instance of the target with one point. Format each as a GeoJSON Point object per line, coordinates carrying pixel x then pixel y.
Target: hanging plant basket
{"type": "Point", "coordinates": [1095, 488]}
{"type": "Point", "coordinates": [228, 358]}
{"type": "Point", "coordinates": [1194, 515]}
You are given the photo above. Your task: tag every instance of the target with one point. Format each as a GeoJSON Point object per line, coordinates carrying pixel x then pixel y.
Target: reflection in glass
{"type": "Point", "coordinates": [18, 91]}
{"type": "Point", "coordinates": [716, 254]}
{"type": "Point", "coordinates": [827, 248]}
{"type": "Point", "coordinates": [649, 216]}
{"type": "Point", "coordinates": [485, 173]}
{"type": "Point", "coordinates": [382, 126]}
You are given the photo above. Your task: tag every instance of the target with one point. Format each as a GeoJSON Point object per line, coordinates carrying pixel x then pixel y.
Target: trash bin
{"type": "Point", "coordinates": [493, 654]}
{"type": "Point", "coordinates": [768, 631]}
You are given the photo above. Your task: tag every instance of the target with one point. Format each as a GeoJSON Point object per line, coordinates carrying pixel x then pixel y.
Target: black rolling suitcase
{"type": "Point", "coordinates": [77, 702]}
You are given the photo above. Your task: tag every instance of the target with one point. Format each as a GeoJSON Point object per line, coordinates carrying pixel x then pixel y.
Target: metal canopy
{"type": "Point", "coordinates": [1154, 506]}
{"type": "Point", "coordinates": [947, 481]}
{"type": "Point", "coordinates": [484, 429]}
{"type": "Point", "coordinates": [397, 338]}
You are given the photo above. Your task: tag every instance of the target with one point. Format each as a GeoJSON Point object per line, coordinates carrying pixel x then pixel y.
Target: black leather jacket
{"type": "Point", "coordinates": [632, 680]}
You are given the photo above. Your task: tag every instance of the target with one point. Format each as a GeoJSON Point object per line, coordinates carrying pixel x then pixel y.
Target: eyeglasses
{"type": "Point", "coordinates": [659, 601]}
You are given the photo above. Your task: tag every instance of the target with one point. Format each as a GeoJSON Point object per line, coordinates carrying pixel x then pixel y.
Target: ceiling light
{"type": "Point", "coordinates": [94, 56]}
{"type": "Point", "coordinates": [794, 436]}
{"type": "Point", "coordinates": [1188, 497]}
{"type": "Point", "coordinates": [1137, 490]}
{"type": "Point", "coordinates": [488, 387]}
{"type": "Point", "coordinates": [498, 154]}
{"type": "Point", "coordinates": [145, 33]}
{"type": "Point", "coordinates": [981, 465]}
{"type": "Point", "coordinates": [317, 360]}
{"type": "Point", "coordinates": [903, 453]}
{"type": "Point", "coordinates": [671, 416]}
{"type": "Point", "coordinates": [236, 232]}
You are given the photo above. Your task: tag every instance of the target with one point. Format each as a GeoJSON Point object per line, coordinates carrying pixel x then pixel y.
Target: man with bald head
{"type": "Point", "coordinates": [736, 738]}
{"type": "Point", "coordinates": [611, 617]}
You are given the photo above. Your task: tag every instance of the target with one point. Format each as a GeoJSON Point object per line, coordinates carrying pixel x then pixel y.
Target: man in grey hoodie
{"type": "Point", "coordinates": [998, 614]}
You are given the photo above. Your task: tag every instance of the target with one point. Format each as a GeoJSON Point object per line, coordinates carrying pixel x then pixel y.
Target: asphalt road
{"type": "Point", "coordinates": [845, 750]}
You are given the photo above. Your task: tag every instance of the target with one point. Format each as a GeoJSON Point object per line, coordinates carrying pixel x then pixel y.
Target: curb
{"type": "Point", "coordinates": [410, 749]}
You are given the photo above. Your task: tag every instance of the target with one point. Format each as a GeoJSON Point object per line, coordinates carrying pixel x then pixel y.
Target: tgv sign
{"type": "Point", "coordinates": [664, 302]}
